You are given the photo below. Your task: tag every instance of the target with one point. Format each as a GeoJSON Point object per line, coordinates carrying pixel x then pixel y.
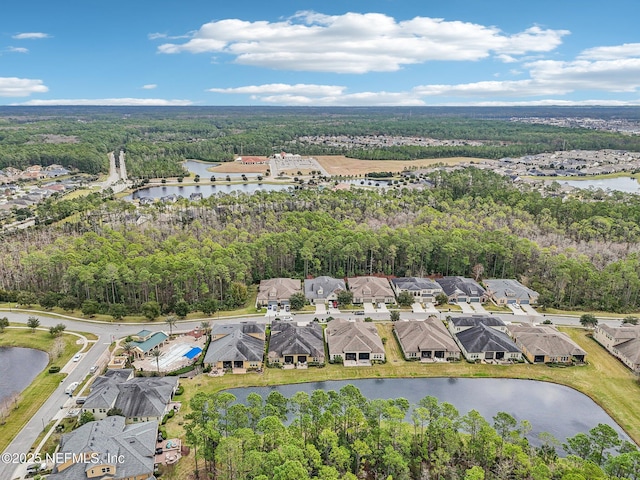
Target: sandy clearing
{"type": "Point", "coordinates": [237, 167]}
{"type": "Point", "coordinates": [341, 165]}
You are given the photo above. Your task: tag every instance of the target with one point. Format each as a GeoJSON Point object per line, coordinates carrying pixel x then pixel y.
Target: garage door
{"type": "Point", "coordinates": [511, 302]}
{"type": "Point", "coordinates": [474, 300]}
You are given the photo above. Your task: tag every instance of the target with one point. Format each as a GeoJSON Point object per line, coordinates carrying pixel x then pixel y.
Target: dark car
{"type": "Point", "coordinates": [160, 437]}
{"type": "Point", "coordinates": [360, 312]}
{"type": "Point", "coordinates": [159, 450]}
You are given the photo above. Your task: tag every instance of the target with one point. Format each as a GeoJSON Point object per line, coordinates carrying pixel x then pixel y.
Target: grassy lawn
{"type": "Point", "coordinates": [32, 398]}
{"type": "Point", "coordinates": [604, 378]}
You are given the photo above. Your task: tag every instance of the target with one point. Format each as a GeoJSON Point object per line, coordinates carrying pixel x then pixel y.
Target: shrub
{"type": "Point", "coordinates": [54, 369]}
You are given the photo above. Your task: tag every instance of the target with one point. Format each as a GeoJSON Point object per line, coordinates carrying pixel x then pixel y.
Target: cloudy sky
{"type": "Point", "coordinates": [325, 53]}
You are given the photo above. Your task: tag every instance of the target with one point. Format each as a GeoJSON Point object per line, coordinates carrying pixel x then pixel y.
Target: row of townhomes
{"type": "Point", "coordinates": [127, 443]}
{"type": "Point", "coordinates": [276, 292]}
{"type": "Point", "coordinates": [478, 338]}
{"type": "Point", "coordinates": [622, 342]}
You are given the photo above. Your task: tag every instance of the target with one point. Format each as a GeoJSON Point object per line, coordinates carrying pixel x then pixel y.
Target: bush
{"type": "Point", "coordinates": [180, 390]}
{"type": "Point", "coordinates": [54, 369]}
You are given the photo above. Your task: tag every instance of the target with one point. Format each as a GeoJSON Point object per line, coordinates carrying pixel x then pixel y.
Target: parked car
{"type": "Point", "coordinates": [360, 312]}
{"type": "Point", "coordinates": [159, 450]}
{"type": "Point", "coordinates": [93, 369]}
{"type": "Point", "coordinates": [77, 357]}
{"type": "Point", "coordinates": [70, 389]}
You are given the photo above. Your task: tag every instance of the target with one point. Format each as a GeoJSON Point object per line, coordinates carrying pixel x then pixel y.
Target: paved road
{"type": "Point", "coordinates": [108, 332]}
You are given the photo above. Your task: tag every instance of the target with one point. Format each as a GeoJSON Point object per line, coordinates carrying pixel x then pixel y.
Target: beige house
{"type": "Point", "coordinates": [545, 344]}
{"type": "Point", "coordinates": [277, 291]}
{"type": "Point", "coordinates": [371, 290]}
{"type": "Point", "coordinates": [296, 345]}
{"type": "Point", "coordinates": [427, 340]}
{"type": "Point", "coordinates": [622, 342]}
{"type": "Point", "coordinates": [238, 346]}
{"type": "Point", "coordinates": [357, 343]}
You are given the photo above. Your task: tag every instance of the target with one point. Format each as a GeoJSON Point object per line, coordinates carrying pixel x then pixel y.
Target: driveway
{"type": "Point", "coordinates": [383, 309]}
{"type": "Point", "coordinates": [430, 308]}
{"type": "Point", "coordinates": [466, 308]}
{"type": "Point", "coordinates": [417, 308]}
{"type": "Point", "coordinates": [515, 309]}
{"type": "Point", "coordinates": [321, 309]}
{"type": "Point", "coordinates": [334, 311]}
{"type": "Point", "coordinates": [368, 307]}
{"type": "Point", "coordinates": [478, 308]}
{"type": "Point", "coordinates": [530, 310]}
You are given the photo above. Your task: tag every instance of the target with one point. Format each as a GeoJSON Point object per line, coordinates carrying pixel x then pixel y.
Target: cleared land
{"type": "Point", "coordinates": [237, 167]}
{"type": "Point", "coordinates": [341, 165]}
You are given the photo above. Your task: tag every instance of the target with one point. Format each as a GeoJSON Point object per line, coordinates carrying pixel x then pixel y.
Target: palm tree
{"type": "Point", "coordinates": [156, 354]}
{"type": "Point", "coordinates": [127, 347]}
{"type": "Point", "coordinates": [171, 320]}
{"type": "Point", "coordinates": [205, 326]}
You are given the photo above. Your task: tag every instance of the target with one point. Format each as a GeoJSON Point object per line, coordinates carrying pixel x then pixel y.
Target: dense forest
{"type": "Point", "coordinates": [157, 139]}
{"type": "Point", "coordinates": [579, 253]}
{"type": "Point", "coordinates": [331, 435]}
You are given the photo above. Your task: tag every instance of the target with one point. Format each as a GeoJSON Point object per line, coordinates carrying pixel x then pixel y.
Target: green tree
{"type": "Point", "coordinates": [57, 330]}
{"type": "Point", "coordinates": [442, 299]}
{"type": "Point", "coordinates": [90, 308]}
{"type": "Point", "coordinates": [117, 311]}
{"type": "Point", "coordinates": [474, 473]}
{"type": "Point", "coordinates": [112, 412]}
{"type": "Point", "coordinates": [85, 417]}
{"type": "Point", "coordinates": [395, 315]}
{"type": "Point", "coordinates": [26, 299]}
{"type": "Point", "coordinates": [630, 319]}
{"type": "Point", "coordinates": [49, 300]}
{"type": "Point", "coordinates": [588, 320]}
{"type": "Point", "coordinates": [344, 297]}
{"type": "Point", "coordinates": [150, 309]}
{"type": "Point", "coordinates": [181, 309]}
{"type": "Point", "coordinates": [171, 320]}
{"type": "Point", "coordinates": [33, 323]}
{"type": "Point", "coordinates": [238, 294]}
{"type": "Point", "coordinates": [405, 299]}
{"type": "Point", "coordinates": [297, 301]}
{"type": "Point", "coordinates": [156, 353]}
{"type": "Point", "coordinates": [209, 306]}
{"type": "Point", "coordinates": [4, 323]}
{"type": "Point", "coordinates": [68, 303]}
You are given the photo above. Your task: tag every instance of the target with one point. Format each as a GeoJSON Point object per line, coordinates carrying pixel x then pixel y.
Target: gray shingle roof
{"type": "Point", "coordinates": [322, 287]}
{"type": "Point", "coordinates": [510, 289]}
{"type": "Point", "coordinates": [475, 320]}
{"type": "Point", "coordinates": [626, 340]}
{"type": "Point", "coordinates": [244, 327]}
{"type": "Point", "coordinates": [466, 286]}
{"type": "Point", "coordinates": [236, 346]}
{"type": "Point", "coordinates": [277, 289]}
{"type": "Point", "coordinates": [110, 436]}
{"type": "Point", "coordinates": [288, 338]}
{"type": "Point", "coordinates": [483, 338]}
{"type": "Point", "coordinates": [345, 336]}
{"type": "Point", "coordinates": [370, 287]}
{"type": "Point", "coordinates": [413, 284]}
{"type": "Point", "coordinates": [430, 334]}
{"type": "Point", "coordinates": [545, 340]}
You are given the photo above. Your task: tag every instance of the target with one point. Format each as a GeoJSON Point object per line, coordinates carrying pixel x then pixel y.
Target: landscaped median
{"type": "Point", "coordinates": [603, 378]}
{"type": "Point", "coordinates": [45, 383]}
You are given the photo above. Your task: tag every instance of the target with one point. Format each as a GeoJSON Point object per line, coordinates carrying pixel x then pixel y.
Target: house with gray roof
{"type": "Point", "coordinates": [371, 290]}
{"type": "Point", "coordinates": [277, 291]}
{"type": "Point", "coordinates": [424, 290]}
{"type": "Point", "coordinates": [461, 289]}
{"type": "Point", "coordinates": [323, 289]}
{"type": "Point", "coordinates": [459, 324]}
{"type": "Point", "coordinates": [484, 343]}
{"type": "Point", "coordinates": [427, 340]}
{"type": "Point", "coordinates": [238, 346]}
{"type": "Point", "coordinates": [293, 344]}
{"type": "Point", "coordinates": [108, 448]}
{"type": "Point", "coordinates": [357, 343]}
{"type": "Point", "coordinates": [140, 399]}
{"type": "Point", "coordinates": [509, 291]}
{"type": "Point", "coordinates": [545, 344]}
{"type": "Point", "coordinates": [622, 342]}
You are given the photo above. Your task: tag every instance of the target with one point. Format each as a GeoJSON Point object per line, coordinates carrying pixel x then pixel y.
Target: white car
{"type": "Point", "coordinates": [77, 357]}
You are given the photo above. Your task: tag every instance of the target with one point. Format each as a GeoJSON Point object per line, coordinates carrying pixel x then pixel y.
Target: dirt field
{"type": "Point", "coordinates": [237, 167]}
{"type": "Point", "coordinates": [340, 165]}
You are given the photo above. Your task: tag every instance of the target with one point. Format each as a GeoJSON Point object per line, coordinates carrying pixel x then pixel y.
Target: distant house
{"type": "Point", "coordinates": [236, 346]}
{"type": "Point", "coordinates": [253, 160]}
{"type": "Point", "coordinates": [277, 291]}
{"type": "Point", "coordinates": [545, 344]}
{"type": "Point", "coordinates": [371, 290]}
{"type": "Point", "coordinates": [112, 449]}
{"type": "Point", "coordinates": [508, 291]}
{"type": "Point", "coordinates": [357, 343]}
{"type": "Point", "coordinates": [483, 337]}
{"type": "Point", "coordinates": [293, 344]}
{"type": "Point", "coordinates": [195, 196]}
{"type": "Point", "coordinates": [427, 340]}
{"type": "Point", "coordinates": [141, 399]}
{"type": "Point", "coordinates": [424, 290]}
{"type": "Point", "coordinates": [622, 342]}
{"type": "Point", "coordinates": [460, 289]}
{"type": "Point", "coordinates": [145, 341]}
{"type": "Point", "coordinates": [323, 289]}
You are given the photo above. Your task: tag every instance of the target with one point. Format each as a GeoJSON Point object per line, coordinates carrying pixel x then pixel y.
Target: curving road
{"type": "Point", "coordinates": [58, 403]}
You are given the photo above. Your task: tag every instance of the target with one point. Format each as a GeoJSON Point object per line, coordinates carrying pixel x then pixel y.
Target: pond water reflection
{"type": "Point", "coordinates": [18, 367]}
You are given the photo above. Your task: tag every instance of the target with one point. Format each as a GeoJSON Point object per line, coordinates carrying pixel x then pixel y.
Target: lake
{"type": "Point", "coordinates": [551, 408]}
{"type": "Point", "coordinates": [621, 184]}
{"type": "Point", "coordinates": [206, 190]}
{"type": "Point", "coordinates": [18, 367]}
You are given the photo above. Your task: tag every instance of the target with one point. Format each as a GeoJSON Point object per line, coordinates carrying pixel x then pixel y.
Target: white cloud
{"type": "Point", "coordinates": [359, 43]}
{"type": "Point", "coordinates": [283, 89]}
{"type": "Point", "coordinates": [20, 87]}
{"type": "Point", "coordinates": [611, 53]}
{"type": "Point", "coordinates": [17, 50]}
{"type": "Point", "coordinates": [149, 102]}
{"type": "Point", "coordinates": [31, 36]}
{"type": "Point", "coordinates": [150, 86]}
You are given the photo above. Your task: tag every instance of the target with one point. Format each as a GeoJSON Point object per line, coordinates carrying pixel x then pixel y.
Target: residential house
{"type": "Point", "coordinates": [424, 290]}
{"type": "Point", "coordinates": [622, 342]}
{"type": "Point", "coordinates": [236, 346]}
{"type": "Point", "coordinates": [277, 292]}
{"type": "Point", "coordinates": [323, 289]}
{"type": "Point", "coordinates": [545, 344]}
{"type": "Point", "coordinates": [371, 290]}
{"type": "Point", "coordinates": [293, 344]}
{"type": "Point", "coordinates": [108, 448]}
{"type": "Point", "coordinates": [427, 340]}
{"type": "Point", "coordinates": [483, 337]}
{"type": "Point", "coordinates": [508, 291]}
{"type": "Point", "coordinates": [140, 399]}
{"type": "Point", "coordinates": [460, 289]}
{"type": "Point", "coordinates": [357, 343]}
{"type": "Point", "coordinates": [145, 341]}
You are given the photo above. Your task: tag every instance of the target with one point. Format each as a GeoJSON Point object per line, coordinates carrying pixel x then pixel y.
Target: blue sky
{"type": "Point", "coordinates": [329, 53]}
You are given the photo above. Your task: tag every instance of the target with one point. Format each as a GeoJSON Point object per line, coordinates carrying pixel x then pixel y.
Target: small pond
{"type": "Point", "coordinates": [551, 408]}
{"type": "Point", "coordinates": [206, 190]}
{"type": "Point", "coordinates": [18, 367]}
{"type": "Point", "coordinates": [621, 184]}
